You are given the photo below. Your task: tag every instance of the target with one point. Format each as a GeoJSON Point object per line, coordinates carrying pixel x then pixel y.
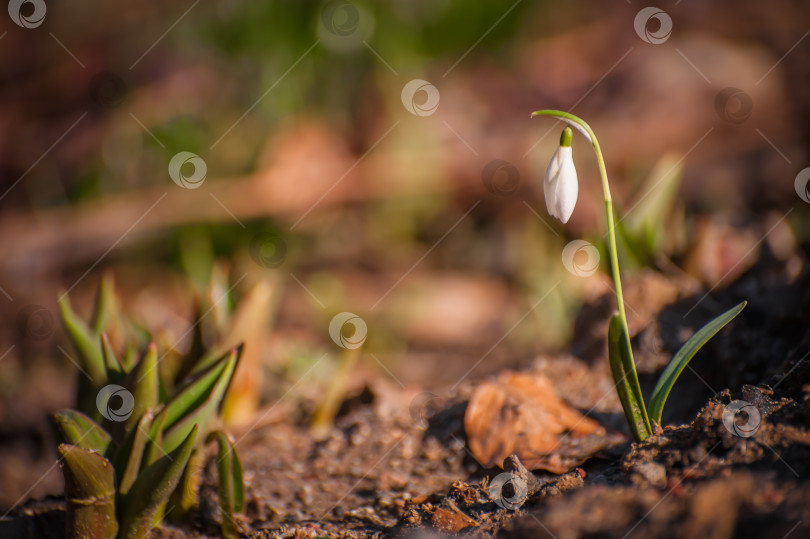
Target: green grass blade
{"type": "Point", "coordinates": [683, 356]}
{"type": "Point", "coordinates": [78, 429]}
{"type": "Point", "coordinates": [626, 379]}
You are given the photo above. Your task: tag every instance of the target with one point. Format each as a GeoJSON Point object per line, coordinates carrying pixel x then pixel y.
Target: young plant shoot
{"type": "Point", "coordinates": [561, 189]}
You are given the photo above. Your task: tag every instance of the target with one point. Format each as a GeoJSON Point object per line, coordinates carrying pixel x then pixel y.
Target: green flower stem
{"type": "Point", "coordinates": [629, 365]}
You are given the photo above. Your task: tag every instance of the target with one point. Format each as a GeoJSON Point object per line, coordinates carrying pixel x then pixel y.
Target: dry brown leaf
{"type": "Point", "coordinates": [521, 413]}
{"type": "Point", "coordinates": [451, 520]}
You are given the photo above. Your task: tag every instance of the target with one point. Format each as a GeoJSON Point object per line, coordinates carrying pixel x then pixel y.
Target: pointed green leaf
{"type": "Point", "coordinates": [626, 379]}
{"type": "Point", "coordinates": [231, 483]}
{"type": "Point", "coordinates": [186, 497]}
{"type": "Point", "coordinates": [194, 392]}
{"type": "Point", "coordinates": [85, 343]}
{"type": "Point", "coordinates": [88, 474]}
{"type": "Point", "coordinates": [114, 366]}
{"type": "Point", "coordinates": [154, 448]}
{"type": "Point", "coordinates": [130, 358]}
{"type": "Point", "coordinates": [133, 451]}
{"type": "Point", "coordinates": [78, 429]}
{"type": "Point", "coordinates": [152, 488]}
{"type": "Point", "coordinates": [683, 356]}
{"type": "Point", "coordinates": [197, 349]}
{"type": "Point", "coordinates": [104, 305]}
{"type": "Point", "coordinates": [143, 382]}
{"type": "Point", "coordinates": [89, 492]}
{"type": "Point", "coordinates": [205, 409]}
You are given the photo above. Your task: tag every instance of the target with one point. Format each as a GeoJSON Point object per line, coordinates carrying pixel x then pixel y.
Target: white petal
{"type": "Point", "coordinates": [560, 186]}
{"type": "Point", "coordinates": [549, 185]}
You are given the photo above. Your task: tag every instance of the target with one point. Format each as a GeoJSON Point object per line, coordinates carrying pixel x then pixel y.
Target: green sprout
{"type": "Point", "coordinates": [134, 454]}
{"type": "Point", "coordinates": [561, 189]}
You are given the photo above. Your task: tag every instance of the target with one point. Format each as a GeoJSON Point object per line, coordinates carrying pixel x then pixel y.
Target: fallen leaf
{"type": "Point", "coordinates": [521, 413]}
{"type": "Point", "coordinates": [451, 520]}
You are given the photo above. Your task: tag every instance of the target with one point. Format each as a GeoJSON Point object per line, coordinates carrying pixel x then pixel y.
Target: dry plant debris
{"type": "Point", "coordinates": [521, 413]}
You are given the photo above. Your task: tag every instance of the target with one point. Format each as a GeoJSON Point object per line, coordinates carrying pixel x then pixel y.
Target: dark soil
{"type": "Point", "coordinates": [396, 465]}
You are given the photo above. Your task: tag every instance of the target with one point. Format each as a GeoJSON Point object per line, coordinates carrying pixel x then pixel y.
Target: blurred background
{"type": "Point", "coordinates": [377, 159]}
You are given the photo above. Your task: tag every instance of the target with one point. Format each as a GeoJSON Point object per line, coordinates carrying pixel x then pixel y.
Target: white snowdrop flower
{"type": "Point", "coordinates": [560, 184]}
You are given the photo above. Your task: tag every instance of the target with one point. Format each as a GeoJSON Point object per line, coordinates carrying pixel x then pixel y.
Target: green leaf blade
{"type": "Point", "coordinates": [89, 492]}
{"type": "Point", "coordinates": [84, 341]}
{"type": "Point", "coordinates": [115, 367]}
{"type": "Point", "coordinates": [143, 382]}
{"type": "Point", "coordinates": [231, 487]}
{"type": "Point", "coordinates": [682, 358]}
{"type": "Point", "coordinates": [133, 452]}
{"type": "Point", "coordinates": [200, 412]}
{"type": "Point", "coordinates": [152, 488]}
{"type": "Point", "coordinates": [196, 392]}
{"type": "Point", "coordinates": [75, 428]}
{"type": "Point", "coordinates": [104, 304]}
{"type": "Point", "coordinates": [626, 379]}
